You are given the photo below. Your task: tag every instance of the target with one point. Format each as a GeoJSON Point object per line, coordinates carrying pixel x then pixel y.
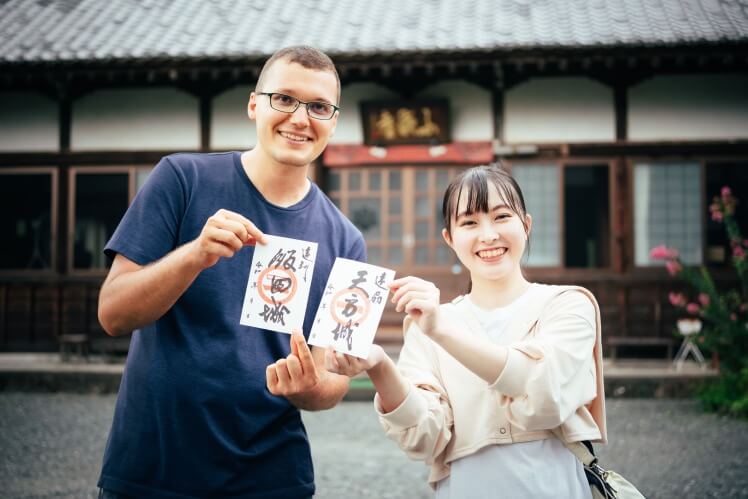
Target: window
{"type": "Point", "coordinates": [27, 199]}
{"type": "Point", "coordinates": [99, 198]}
{"type": "Point", "coordinates": [369, 199]}
{"type": "Point", "coordinates": [430, 248]}
{"type": "Point", "coordinates": [398, 210]}
{"type": "Point", "coordinates": [586, 216]}
{"type": "Point", "coordinates": [570, 209]}
{"type": "Point", "coordinates": [668, 210]}
{"type": "Point", "coordinates": [540, 188]}
{"type": "Point", "coordinates": [735, 176]}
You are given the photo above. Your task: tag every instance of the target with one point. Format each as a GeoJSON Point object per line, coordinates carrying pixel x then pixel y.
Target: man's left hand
{"type": "Point", "coordinates": [296, 374]}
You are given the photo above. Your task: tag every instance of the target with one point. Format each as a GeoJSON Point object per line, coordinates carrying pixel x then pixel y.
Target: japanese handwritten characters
{"type": "Point", "coordinates": [351, 307]}
{"type": "Point", "coordinates": [278, 284]}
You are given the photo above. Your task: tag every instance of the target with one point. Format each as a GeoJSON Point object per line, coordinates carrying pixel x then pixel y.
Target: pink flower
{"type": "Point", "coordinates": [717, 216]}
{"type": "Point", "coordinates": [726, 192]}
{"type": "Point", "coordinates": [677, 299]}
{"type": "Point", "coordinates": [662, 252]}
{"type": "Point", "coordinates": [738, 252]}
{"type": "Point", "coordinates": [743, 307]}
{"type": "Point", "coordinates": [745, 243]}
{"type": "Point", "coordinates": [692, 308]}
{"type": "Point", "coordinates": [673, 267]}
{"type": "Point", "coordinates": [733, 317]}
{"type": "Point", "coordinates": [704, 299]}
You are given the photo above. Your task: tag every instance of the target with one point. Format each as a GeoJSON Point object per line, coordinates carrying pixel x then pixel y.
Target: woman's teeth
{"type": "Point", "coordinates": [491, 253]}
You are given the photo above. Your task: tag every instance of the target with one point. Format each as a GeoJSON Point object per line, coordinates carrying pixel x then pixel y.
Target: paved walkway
{"type": "Point", "coordinates": [51, 446]}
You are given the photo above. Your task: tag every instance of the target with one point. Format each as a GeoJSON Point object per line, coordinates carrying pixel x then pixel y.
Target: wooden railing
{"type": "Point", "coordinates": [36, 312]}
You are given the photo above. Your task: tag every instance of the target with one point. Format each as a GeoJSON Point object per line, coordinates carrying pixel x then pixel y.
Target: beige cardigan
{"type": "Point", "coordinates": [553, 379]}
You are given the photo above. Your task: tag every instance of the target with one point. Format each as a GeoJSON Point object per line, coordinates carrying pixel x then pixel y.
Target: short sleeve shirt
{"type": "Point", "coordinates": [193, 416]}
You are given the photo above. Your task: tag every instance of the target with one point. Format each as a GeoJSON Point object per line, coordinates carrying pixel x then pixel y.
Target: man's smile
{"type": "Point", "coordinates": [294, 137]}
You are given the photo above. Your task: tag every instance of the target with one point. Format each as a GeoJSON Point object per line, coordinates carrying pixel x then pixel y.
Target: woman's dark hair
{"type": "Point", "coordinates": [475, 183]}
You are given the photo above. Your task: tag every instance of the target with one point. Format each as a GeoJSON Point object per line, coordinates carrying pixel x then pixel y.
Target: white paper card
{"type": "Point", "coordinates": [351, 307]}
{"type": "Point", "coordinates": [278, 284]}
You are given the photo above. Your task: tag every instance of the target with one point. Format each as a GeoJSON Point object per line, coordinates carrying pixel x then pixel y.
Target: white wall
{"type": "Point", "coordinates": [136, 119]}
{"type": "Point", "coordinates": [28, 122]}
{"type": "Point", "coordinates": [689, 107]}
{"type": "Point", "coordinates": [230, 126]}
{"type": "Point", "coordinates": [350, 128]}
{"type": "Point", "coordinates": [566, 109]}
{"type": "Point", "coordinates": [470, 109]}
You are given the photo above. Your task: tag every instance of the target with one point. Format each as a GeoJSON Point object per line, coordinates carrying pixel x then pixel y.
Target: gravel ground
{"type": "Point", "coordinates": [51, 447]}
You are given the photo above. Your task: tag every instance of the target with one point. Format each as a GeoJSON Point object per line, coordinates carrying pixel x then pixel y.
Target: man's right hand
{"type": "Point", "coordinates": [223, 235]}
{"type": "Point", "coordinates": [134, 295]}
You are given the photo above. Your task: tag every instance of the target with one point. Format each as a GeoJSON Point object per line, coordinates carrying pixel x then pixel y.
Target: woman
{"type": "Point", "coordinates": [487, 386]}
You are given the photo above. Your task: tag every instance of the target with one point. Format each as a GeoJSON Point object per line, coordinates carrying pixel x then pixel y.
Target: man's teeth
{"type": "Point", "coordinates": [491, 253]}
{"type": "Point", "coordinates": [291, 136]}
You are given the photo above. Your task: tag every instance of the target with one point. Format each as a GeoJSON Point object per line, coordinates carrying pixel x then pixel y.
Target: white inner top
{"type": "Point", "coordinates": [537, 469]}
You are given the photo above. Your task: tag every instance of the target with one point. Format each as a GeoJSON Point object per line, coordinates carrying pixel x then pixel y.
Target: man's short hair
{"type": "Point", "coordinates": [309, 57]}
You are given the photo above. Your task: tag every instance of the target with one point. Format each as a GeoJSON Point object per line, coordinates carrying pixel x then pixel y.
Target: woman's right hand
{"type": "Point", "coordinates": [348, 365]}
{"type": "Point", "coordinates": [420, 300]}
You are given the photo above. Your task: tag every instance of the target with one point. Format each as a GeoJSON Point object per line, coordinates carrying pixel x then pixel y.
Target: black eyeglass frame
{"type": "Point", "coordinates": [298, 103]}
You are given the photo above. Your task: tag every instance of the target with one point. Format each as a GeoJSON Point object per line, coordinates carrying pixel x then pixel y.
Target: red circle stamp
{"type": "Point", "coordinates": [350, 304]}
{"type": "Point", "coordinates": [276, 285]}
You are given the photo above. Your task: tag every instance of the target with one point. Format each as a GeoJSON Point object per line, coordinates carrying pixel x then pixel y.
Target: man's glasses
{"type": "Point", "coordinates": [287, 104]}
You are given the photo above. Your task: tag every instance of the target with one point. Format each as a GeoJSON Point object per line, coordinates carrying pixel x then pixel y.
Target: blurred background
{"type": "Point", "coordinates": [619, 118]}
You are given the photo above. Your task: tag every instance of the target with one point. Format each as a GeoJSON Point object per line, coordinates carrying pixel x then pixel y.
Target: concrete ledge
{"type": "Point", "coordinates": [100, 374]}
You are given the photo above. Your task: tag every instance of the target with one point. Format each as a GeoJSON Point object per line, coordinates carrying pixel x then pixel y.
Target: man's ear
{"type": "Point", "coordinates": [252, 106]}
{"type": "Point", "coordinates": [447, 238]}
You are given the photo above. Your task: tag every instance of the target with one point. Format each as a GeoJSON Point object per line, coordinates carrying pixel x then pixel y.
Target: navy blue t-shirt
{"type": "Point", "coordinates": [193, 416]}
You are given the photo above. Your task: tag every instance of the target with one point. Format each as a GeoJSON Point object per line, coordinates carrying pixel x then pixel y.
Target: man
{"type": "Point", "coordinates": [207, 407]}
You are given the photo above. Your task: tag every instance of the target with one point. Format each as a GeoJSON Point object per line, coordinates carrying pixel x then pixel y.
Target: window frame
{"type": "Point", "coordinates": [408, 217]}
{"type": "Point", "coordinates": [54, 173]}
{"type": "Point", "coordinates": [131, 171]}
{"type": "Point", "coordinates": [703, 161]}
{"type": "Point", "coordinates": [562, 164]}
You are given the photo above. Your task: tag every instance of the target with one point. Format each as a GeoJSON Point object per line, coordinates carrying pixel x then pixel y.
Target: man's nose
{"type": "Point", "coordinates": [300, 117]}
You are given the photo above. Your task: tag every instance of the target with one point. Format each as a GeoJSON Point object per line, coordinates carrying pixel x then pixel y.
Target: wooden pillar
{"type": "Point", "coordinates": [206, 107]}
{"type": "Point", "coordinates": [497, 100]}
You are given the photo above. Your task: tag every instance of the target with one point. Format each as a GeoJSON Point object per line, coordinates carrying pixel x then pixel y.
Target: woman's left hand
{"type": "Point", "coordinates": [348, 365]}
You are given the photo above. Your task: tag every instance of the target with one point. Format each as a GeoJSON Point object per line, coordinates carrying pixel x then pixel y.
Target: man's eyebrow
{"type": "Point", "coordinates": [291, 93]}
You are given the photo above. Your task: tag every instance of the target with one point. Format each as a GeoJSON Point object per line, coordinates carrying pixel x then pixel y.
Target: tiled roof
{"type": "Point", "coordinates": [110, 30]}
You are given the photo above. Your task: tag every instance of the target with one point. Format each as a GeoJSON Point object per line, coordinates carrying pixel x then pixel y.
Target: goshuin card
{"type": "Point", "coordinates": [278, 284]}
{"type": "Point", "coordinates": [351, 307]}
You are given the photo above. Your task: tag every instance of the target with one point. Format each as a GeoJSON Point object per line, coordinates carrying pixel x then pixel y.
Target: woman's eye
{"type": "Point", "coordinates": [503, 216]}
